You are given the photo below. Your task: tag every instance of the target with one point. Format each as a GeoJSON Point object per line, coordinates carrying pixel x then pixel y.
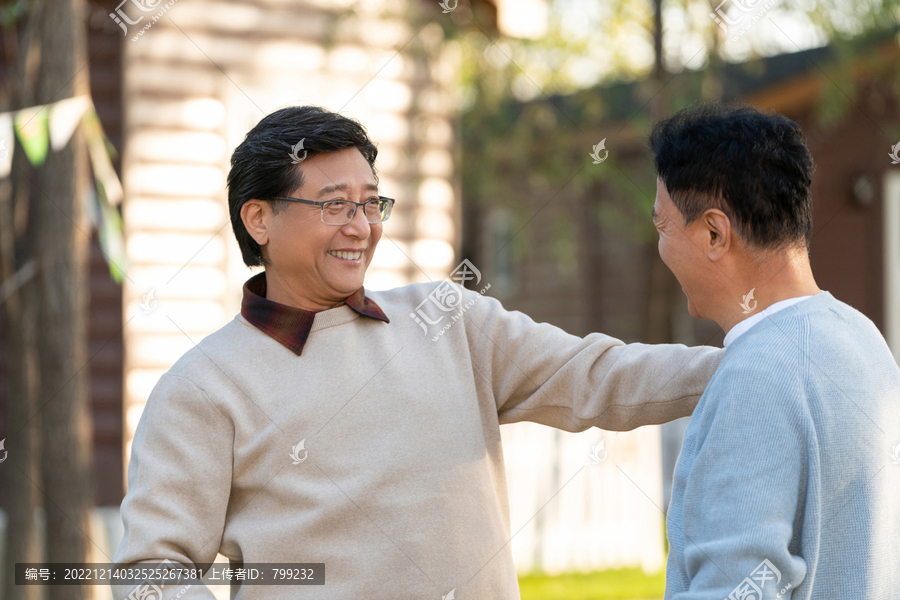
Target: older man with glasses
{"type": "Point", "coordinates": [321, 426]}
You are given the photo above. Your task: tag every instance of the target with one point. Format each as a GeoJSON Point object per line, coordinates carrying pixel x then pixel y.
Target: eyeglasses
{"type": "Point", "coordinates": [341, 212]}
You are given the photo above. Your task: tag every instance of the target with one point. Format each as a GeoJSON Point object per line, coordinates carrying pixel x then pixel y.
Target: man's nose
{"type": "Point", "coordinates": [358, 226]}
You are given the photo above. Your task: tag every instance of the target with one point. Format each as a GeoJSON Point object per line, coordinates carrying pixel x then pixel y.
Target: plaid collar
{"type": "Point", "coordinates": [288, 325]}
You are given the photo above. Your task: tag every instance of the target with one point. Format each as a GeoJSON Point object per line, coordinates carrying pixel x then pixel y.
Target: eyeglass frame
{"type": "Point", "coordinates": [321, 204]}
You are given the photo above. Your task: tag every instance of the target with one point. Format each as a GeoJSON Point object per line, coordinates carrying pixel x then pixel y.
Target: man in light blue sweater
{"type": "Point", "coordinates": [786, 486]}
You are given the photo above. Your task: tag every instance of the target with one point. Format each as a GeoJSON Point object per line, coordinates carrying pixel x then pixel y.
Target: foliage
{"type": "Point", "coordinates": [527, 119]}
{"type": "Point", "coordinates": [12, 12]}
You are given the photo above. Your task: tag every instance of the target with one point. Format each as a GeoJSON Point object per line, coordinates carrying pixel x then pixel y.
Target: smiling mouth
{"type": "Point", "coordinates": [346, 255]}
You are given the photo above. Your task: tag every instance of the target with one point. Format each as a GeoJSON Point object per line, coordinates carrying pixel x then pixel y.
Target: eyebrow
{"type": "Point", "coordinates": [371, 187]}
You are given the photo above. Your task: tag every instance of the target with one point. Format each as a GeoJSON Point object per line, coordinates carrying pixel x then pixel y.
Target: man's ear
{"type": "Point", "coordinates": [254, 214]}
{"type": "Point", "coordinates": [718, 233]}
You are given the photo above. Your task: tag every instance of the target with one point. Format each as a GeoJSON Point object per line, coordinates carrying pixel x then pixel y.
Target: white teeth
{"type": "Point", "coordinates": [346, 255]}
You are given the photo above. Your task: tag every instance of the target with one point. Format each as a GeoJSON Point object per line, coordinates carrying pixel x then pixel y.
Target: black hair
{"type": "Point", "coordinates": [752, 166]}
{"type": "Point", "coordinates": [262, 166]}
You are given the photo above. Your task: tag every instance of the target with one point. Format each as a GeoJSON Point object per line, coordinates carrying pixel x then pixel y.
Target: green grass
{"type": "Point", "coordinates": [620, 584]}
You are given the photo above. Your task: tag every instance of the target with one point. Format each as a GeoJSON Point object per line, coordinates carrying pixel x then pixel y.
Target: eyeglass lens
{"type": "Point", "coordinates": [339, 212]}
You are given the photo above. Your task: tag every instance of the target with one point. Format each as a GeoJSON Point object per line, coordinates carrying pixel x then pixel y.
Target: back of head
{"type": "Point", "coordinates": [752, 166]}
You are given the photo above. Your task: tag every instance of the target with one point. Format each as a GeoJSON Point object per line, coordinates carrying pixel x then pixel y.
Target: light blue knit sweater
{"type": "Point", "coordinates": [786, 486]}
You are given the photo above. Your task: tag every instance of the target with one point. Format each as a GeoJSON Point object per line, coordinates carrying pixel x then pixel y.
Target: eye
{"type": "Point", "coordinates": [336, 206]}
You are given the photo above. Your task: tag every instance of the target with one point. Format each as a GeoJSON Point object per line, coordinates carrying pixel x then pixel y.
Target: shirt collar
{"type": "Point", "coordinates": [288, 325]}
{"type": "Point", "coordinates": [742, 327]}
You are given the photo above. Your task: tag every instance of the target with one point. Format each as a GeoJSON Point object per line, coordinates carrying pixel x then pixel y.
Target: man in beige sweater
{"type": "Point", "coordinates": [327, 424]}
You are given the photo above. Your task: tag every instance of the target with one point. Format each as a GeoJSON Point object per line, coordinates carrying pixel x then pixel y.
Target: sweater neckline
{"type": "Point", "coordinates": [807, 303]}
{"type": "Point", "coordinates": [333, 317]}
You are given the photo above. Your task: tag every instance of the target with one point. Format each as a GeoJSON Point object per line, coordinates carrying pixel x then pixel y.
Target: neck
{"type": "Point", "coordinates": [781, 277]}
{"type": "Point", "coordinates": [284, 291]}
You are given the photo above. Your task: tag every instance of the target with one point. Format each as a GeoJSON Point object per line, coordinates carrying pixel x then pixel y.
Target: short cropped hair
{"type": "Point", "coordinates": [752, 166]}
{"type": "Point", "coordinates": [262, 166]}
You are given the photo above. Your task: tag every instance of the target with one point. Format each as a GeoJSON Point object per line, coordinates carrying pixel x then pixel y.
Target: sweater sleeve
{"type": "Point", "coordinates": [179, 478]}
{"type": "Point", "coordinates": [743, 490]}
{"type": "Point", "coordinates": [540, 373]}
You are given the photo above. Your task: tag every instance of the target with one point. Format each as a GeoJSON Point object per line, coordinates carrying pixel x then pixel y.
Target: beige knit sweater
{"type": "Point", "coordinates": [402, 493]}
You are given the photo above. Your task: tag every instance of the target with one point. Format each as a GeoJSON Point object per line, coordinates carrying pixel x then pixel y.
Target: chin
{"type": "Point", "coordinates": [348, 285]}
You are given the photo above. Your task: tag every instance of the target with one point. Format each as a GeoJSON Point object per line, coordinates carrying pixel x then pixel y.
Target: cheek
{"type": "Point", "coordinates": [673, 255]}
{"type": "Point", "coordinates": [665, 250]}
{"type": "Point", "coordinates": [318, 239]}
{"type": "Point", "coordinates": [306, 250]}
{"type": "Point", "coordinates": [376, 234]}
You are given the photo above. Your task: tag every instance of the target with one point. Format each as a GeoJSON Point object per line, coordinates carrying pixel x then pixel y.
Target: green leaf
{"type": "Point", "coordinates": [31, 128]}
